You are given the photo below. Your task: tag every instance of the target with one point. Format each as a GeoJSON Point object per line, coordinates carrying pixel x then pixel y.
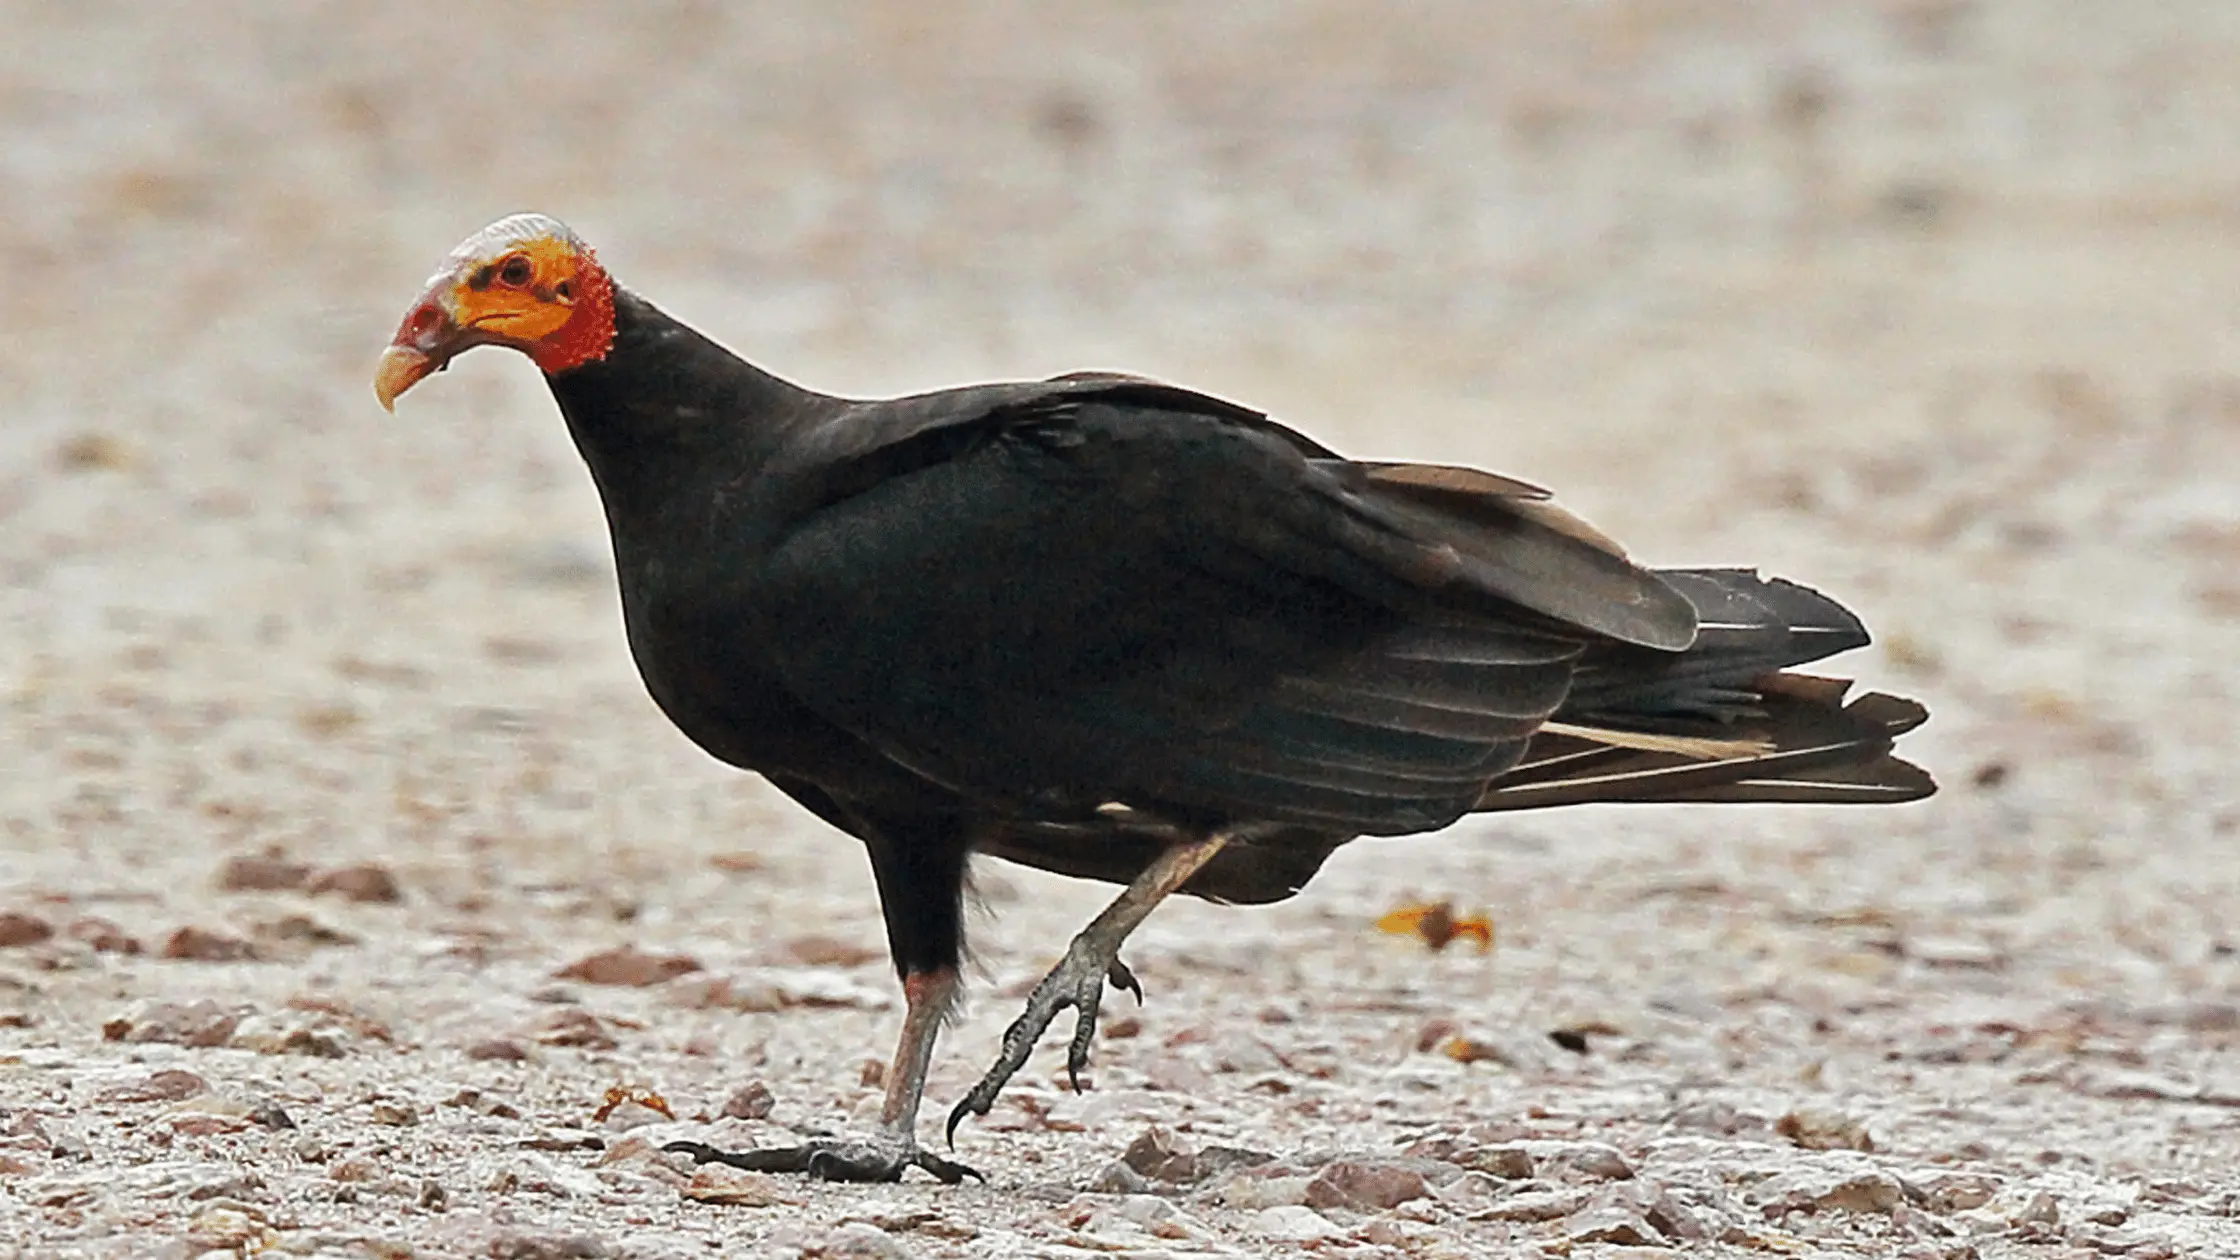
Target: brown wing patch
{"type": "Point", "coordinates": [1106, 378]}
{"type": "Point", "coordinates": [1811, 688]}
{"type": "Point", "coordinates": [1453, 479]}
{"type": "Point", "coordinates": [1569, 526]}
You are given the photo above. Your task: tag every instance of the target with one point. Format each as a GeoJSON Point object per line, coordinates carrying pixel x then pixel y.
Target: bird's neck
{"type": "Point", "coordinates": [665, 408]}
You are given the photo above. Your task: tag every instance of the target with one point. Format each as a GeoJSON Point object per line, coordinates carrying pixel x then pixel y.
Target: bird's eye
{"type": "Point", "coordinates": [565, 290]}
{"type": "Point", "coordinates": [515, 271]}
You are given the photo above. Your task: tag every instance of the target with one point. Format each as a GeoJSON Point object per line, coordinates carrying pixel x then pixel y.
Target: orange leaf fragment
{"type": "Point", "coordinates": [1464, 1050]}
{"type": "Point", "coordinates": [617, 1095]}
{"type": "Point", "coordinates": [1438, 926]}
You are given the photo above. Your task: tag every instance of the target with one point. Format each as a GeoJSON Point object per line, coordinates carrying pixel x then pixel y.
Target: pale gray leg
{"type": "Point", "coordinates": [1078, 980]}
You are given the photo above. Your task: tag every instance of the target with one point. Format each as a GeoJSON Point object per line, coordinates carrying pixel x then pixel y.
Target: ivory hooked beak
{"type": "Point", "coordinates": [401, 368]}
{"type": "Point", "coordinates": [426, 340]}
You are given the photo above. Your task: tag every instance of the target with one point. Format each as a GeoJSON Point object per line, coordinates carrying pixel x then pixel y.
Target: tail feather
{"type": "Point", "coordinates": [1747, 627]}
{"type": "Point", "coordinates": [1798, 743]}
{"type": "Point", "coordinates": [1887, 780]}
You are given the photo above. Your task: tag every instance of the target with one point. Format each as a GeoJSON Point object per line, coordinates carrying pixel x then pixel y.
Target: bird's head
{"type": "Point", "coordinates": [525, 281]}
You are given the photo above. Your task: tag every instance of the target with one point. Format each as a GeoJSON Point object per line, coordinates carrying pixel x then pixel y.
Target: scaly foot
{"type": "Point", "coordinates": [1077, 981]}
{"type": "Point", "coordinates": [835, 1159]}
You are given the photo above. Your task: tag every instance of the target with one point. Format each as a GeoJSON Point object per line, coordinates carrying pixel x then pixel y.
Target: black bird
{"type": "Point", "coordinates": [1124, 631]}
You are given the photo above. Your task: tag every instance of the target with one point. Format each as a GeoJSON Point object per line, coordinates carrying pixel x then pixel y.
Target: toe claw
{"type": "Point", "coordinates": [948, 1170]}
{"type": "Point", "coordinates": [1077, 1053]}
{"type": "Point", "coordinates": [1119, 977]}
{"type": "Point", "coordinates": [792, 1159]}
{"type": "Point", "coordinates": [975, 1103]}
{"type": "Point", "coordinates": [701, 1152]}
{"type": "Point", "coordinates": [1077, 982]}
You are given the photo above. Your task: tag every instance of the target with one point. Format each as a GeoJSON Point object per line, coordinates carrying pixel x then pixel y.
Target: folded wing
{"type": "Point", "coordinates": [1104, 592]}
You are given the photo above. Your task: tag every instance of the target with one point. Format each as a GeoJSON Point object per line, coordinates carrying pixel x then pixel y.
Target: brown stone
{"type": "Point", "coordinates": [1544, 1205]}
{"type": "Point", "coordinates": [169, 1085]}
{"type": "Point", "coordinates": [197, 944]}
{"type": "Point", "coordinates": [1577, 1162]}
{"type": "Point", "coordinates": [1159, 1156]}
{"type": "Point", "coordinates": [202, 1023]}
{"type": "Point", "coordinates": [366, 881]}
{"type": "Point", "coordinates": [102, 935]}
{"type": "Point", "coordinates": [1610, 1223]}
{"type": "Point", "coordinates": [264, 872]}
{"type": "Point", "coordinates": [578, 1028]}
{"type": "Point", "coordinates": [302, 929]}
{"type": "Point", "coordinates": [18, 928]}
{"type": "Point", "coordinates": [628, 965]}
{"type": "Point", "coordinates": [1831, 1188]}
{"type": "Point", "coordinates": [1508, 1161]}
{"type": "Point", "coordinates": [497, 1050]}
{"type": "Point", "coordinates": [732, 1187]}
{"type": "Point", "coordinates": [206, 1124]}
{"type": "Point", "coordinates": [1815, 1129]}
{"type": "Point", "coordinates": [1365, 1186]}
{"type": "Point", "coordinates": [751, 1102]}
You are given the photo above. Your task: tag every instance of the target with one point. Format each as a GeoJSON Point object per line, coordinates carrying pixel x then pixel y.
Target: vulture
{"type": "Point", "coordinates": [1123, 631]}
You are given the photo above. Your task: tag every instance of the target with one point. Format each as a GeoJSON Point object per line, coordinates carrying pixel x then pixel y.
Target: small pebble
{"type": "Point", "coordinates": [366, 881]}
{"type": "Point", "coordinates": [752, 1101]}
{"type": "Point", "coordinates": [18, 929]}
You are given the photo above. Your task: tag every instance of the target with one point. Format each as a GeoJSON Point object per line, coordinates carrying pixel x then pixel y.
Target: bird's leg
{"type": "Point", "coordinates": [893, 1146]}
{"type": "Point", "coordinates": [1079, 978]}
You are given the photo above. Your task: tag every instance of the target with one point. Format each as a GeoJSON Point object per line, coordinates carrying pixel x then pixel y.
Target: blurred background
{"type": "Point", "coordinates": [1930, 303]}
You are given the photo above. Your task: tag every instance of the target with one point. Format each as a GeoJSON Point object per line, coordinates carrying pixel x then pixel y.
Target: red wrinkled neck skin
{"type": "Point", "coordinates": [589, 333]}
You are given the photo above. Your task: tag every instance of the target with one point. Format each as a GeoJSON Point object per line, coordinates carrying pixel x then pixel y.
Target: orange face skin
{"type": "Point", "coordinates": [524, 282]}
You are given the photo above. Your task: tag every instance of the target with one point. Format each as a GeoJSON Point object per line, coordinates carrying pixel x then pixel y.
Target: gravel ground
{"type": "Point", "coordinates": [328, 772]}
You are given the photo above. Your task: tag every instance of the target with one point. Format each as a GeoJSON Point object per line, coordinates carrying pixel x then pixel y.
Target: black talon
{"type": "Point", "coordinates": [956, 1117]}
{"type": "Point", "coordinates": [1077, 1053]}
{"type": "Point", "coordinates": [701, 1152]}
{"type": "Point", "coordinates": [949, 1171]}
{"type": "Point", "coordinates": [1078, 982]}
{"type": "Point", "coordinates": [1119, 977]}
